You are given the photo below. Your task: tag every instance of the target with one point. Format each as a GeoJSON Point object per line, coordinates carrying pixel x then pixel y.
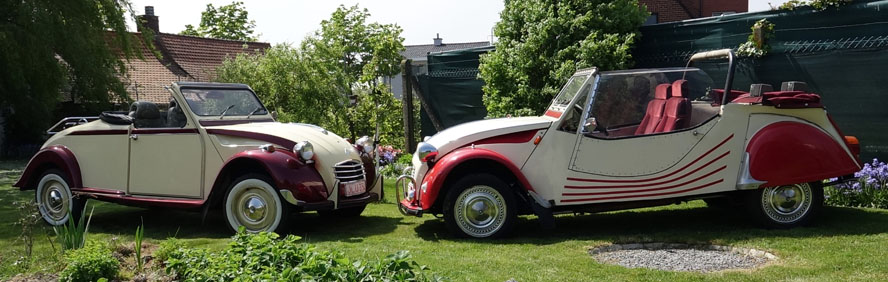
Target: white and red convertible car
{"type": "Point", "coordinates": [635, 138]}
{"type": "Point", "coordinates": [215, 146]}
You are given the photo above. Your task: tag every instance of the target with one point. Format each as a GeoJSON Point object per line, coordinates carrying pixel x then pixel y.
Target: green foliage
{"type": "Point", "coordinates": [315, 82]}
{"type": "Point", "coordinates": [263, 256]}
{"type": "Point", "coordinates": [73, 235]}
{"type": "Point", "coordinates": [28, 218]}
{"type": "Point", "coordinates": [166, 248]}
{"type": "Point", "coordinates": [227, 22]}
{"type": "Point", "coordinates": [816, 4]}
{"type": "Point", "coordinates": [137, 246]}
{"type": "Point", "coordinates": [751, 48]}
{"type": "Point", "coordinates": [50, 47]}
{"type": "Point", "coordinates": [541, 43]}
{"type": "Point", "coordinates": [89, 264]}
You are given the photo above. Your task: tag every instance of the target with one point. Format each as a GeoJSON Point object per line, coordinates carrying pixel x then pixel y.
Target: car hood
{"type": "Point", "coordinates": [466, 133]}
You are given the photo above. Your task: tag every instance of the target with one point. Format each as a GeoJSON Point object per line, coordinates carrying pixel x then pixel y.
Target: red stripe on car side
{"type": "Point", "coordinates": [645, 195]}
{"type": "Point", "coordinates": [655, 178]}
{"type": "Point", "coordinates": [652, 184]}
{"type": "Point", "coordinates": [649, 189]}
{"type": "Point", "coordinates": [517, 137]}
{"type": "Point", "coordinates": [286, 143]}
{"type": "Point", "coordinates": [165, 130]}
{"type": "Point", "coordinates": [100, 132]}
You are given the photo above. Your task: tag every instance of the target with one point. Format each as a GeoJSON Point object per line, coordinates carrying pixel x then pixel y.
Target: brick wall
{"type": "Point", "coordinates": [711, 6]}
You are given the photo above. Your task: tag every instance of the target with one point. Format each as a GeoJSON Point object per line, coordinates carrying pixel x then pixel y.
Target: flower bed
{"type": "Point", "coordinates": [869, 191]}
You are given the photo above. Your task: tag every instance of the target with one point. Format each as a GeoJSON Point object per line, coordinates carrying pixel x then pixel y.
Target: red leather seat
{"type": "Point", "coordinates": [654, 113]}
{"type": "Point", "coordinates": [677, 112]}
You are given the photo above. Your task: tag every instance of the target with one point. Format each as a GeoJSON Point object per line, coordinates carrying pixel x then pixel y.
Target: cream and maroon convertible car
{"type": "Point", "coordinates": [215, 146]}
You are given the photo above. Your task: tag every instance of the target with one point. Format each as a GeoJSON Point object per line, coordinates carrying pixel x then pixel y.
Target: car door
{"type": "Point", "coordinates": [166, 153]}
{"type": "Point", "coordinates": [614, 160]}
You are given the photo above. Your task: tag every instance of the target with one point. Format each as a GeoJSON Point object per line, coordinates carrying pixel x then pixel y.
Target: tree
{"type": "Point", "coordinates": [226, 22]}
{"type": "Point", "coordinates": [50, 47]}
{"type": "Point", "coordinates": [342, 62]}
{"type": "Point", "coordinates": [541, 43]}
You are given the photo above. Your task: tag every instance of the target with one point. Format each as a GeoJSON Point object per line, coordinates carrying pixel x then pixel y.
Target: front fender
{"type": "Point", "coordinates": [57, 156]}
{"type": "Point", "coordinates": [287, 171]}
{"type": "Point", "coordinates": [785, 152]}
{"type": "Point", "coordinates": [435, 178]}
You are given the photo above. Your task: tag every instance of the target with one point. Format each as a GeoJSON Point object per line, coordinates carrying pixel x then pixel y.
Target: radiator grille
{"type": "Point", "coordinates": [349, 171]}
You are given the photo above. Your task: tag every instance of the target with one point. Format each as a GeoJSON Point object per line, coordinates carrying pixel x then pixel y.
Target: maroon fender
{"type": "Point", "coordinates": [287, 171]}
{"type": "Point", "coordinates": [786, 153]}
{"type": "Point", "coordinates": [435, 178]}
{"type": "Point", "coordinates": [57, 156]}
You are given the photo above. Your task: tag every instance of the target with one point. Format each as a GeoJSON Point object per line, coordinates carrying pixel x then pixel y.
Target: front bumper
{"type": "Point", "coordinates": [407, 208]}
{"type": "Point", "coordinates": [408, 205]}
{"type": "Point", "coordinates": [327, 205]}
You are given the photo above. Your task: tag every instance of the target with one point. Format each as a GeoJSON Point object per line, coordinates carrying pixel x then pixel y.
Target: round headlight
{"type": "Point", "coordinates": [304, 150]}
{"type": "Point", "coordinates": [426, 151]}
{"type": "Point", "coordinates": [366, 144]}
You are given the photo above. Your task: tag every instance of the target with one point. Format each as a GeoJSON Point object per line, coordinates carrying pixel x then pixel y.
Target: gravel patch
{"type": "Point", "coordinates": [679, 257]}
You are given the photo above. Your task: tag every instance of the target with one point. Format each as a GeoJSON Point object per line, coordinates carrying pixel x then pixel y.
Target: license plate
{"type": "Point", "coordinates": [355, 188]}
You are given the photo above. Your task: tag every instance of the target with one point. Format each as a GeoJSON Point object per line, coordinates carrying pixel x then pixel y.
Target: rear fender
{"type": "Point", "coordinates": [438, 175]}
{"type": "Point", "coordinates": [787, 152]}
{"type": "Point", "coordinates": [283, 166]}
{"type": "Point", "coordinates": [56, 156]}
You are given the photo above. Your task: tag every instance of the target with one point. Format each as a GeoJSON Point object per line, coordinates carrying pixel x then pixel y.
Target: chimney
{"type": "Point", "coordinates": [438, 40]}
{"type": "Point", "coordinates": [149, 20]}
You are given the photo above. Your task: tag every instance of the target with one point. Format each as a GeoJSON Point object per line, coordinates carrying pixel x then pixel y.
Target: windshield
{"type": "Point", "coordinates": [213, 102]}
{"type": "Point", "coordinates": [568, 93]}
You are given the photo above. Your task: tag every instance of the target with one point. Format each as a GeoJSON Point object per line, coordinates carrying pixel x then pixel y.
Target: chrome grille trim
{"type": "Point", "coordinates": [349, 171]}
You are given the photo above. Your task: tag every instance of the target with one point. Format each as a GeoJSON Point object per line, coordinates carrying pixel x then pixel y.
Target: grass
{"type": "Point", "coordinates": [845, 244]}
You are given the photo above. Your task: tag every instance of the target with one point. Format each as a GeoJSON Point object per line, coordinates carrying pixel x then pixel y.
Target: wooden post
{"type": "Point", "coordinates": [407, 106]}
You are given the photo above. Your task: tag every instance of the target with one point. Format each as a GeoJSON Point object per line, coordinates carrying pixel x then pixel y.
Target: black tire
{"type": "Point", "coordinates": [485, 194]}
{"type": "Point", "coordinates": [775, 207]}
{"type": "Point", "coordinates": [53, 189]}
{"type": "Point", "coordinates": [247, 202]}
{"type": "Point", "coordinates": [344, 212]}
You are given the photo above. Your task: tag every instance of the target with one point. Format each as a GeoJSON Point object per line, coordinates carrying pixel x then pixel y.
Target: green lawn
{"type": "Point", "coordinates": [846, 244]}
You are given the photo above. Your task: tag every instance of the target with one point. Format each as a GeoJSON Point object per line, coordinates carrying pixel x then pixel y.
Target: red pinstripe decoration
{"type": "Point", "coordinates": [645, 195]}
{"type": "Point", "coordinates": [655, 178]}
{"type": "Point", "coordinates": [649, 189]}
{"type": "Point", "coordinates": [652, 184]}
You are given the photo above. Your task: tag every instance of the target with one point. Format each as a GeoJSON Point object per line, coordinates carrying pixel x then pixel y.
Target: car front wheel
{"type": "Point", "coordinates": [786, 206]}
{"type": "Point", "coordinates": [54, 199]}
{"type": "Point", "coordinates": [480, 206]}
{"type": "Point", "coordinates": [253, 203]}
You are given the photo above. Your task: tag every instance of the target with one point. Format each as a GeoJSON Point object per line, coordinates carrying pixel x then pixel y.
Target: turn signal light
{"type": "Point", "coordinates": [853, 144]}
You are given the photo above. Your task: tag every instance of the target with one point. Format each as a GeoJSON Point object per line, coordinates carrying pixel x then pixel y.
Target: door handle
{"type": "Point", "coordinates": [134, 136]}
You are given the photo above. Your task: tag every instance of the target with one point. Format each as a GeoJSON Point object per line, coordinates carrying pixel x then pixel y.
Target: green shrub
{"type": "Point", "coordinates": [90, 263]}
{"type": "Point", "coordinates": [263, 256]}
{"type": "Point", "coordinates": [167, 247]}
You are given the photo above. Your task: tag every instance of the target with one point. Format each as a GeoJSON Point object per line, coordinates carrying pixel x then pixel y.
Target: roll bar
{"type": "Point", "coordinates": [716, 55]}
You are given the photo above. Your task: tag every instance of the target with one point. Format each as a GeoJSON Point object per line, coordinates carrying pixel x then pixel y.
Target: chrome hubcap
{"type": "Point", "coordinates": [480, 211]}
{"type": "Point", "coordinates": [54, 201]}
{"type": "Point", "coordinates": [787, 204]}
{"type": "Point", "coordinates": [254, 209]}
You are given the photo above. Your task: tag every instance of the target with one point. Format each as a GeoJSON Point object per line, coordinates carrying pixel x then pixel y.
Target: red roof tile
{"type": "Point", "coordinates": [199, 56]}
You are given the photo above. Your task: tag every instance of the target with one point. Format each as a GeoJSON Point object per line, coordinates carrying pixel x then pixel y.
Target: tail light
{"type": "Point", "coordinates": [853, 144]}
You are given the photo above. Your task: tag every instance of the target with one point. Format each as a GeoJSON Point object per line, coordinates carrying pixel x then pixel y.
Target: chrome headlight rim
{"type": "Point", "coordinates": [426, 152]}
{"type": "Point", "coordinates": [304, 150]}
{"type": "Point", "coordinates": [366, 145]}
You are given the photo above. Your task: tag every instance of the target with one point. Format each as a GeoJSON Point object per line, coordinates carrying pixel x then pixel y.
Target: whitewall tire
{"type": "Point", "coordinates": [253, 203]}
{"type": "Point", "coordinates": [54, 199]}
{"type": "Point", "coordinates": [786, 206]}
{"type": "Point", "coordinates": [480, 206]}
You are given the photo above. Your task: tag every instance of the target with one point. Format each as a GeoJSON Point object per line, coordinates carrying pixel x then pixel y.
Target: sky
{"type": "Point", "coordinates": [280, 21]}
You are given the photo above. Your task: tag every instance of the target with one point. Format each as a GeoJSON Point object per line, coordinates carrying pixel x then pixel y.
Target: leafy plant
{"type": "Point", "coordinates": [90, 263]}
{"type": "Point", "coordinates": [227, 22]}
{"type": "Point", "coordinates": [166, 248]}
{"type": "Point", "coordinates": [73, 235]}
{"type": "Point", "coordinates": [265, 256]}
{"type": "Point", "coordinates": [137, 246]}
{"type": "Point", "coordinates": [29, 216]}
{"type": "Point", "coordinates": [869, 191]}
{"type": "Point", "coordinates": [816, 4]}
{"type": "Point", "coordinates": [540, 44]}
{"type": "Point", "coordinates": [757, 47]}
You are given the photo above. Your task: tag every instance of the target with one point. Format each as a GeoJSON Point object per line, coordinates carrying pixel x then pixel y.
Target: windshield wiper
{"type": "Point", "coordinates": [225, 111]}
{"type": "Point", "coordinates": [255, 111]}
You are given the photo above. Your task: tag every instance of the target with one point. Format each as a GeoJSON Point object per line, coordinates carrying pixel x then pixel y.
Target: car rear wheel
{"type": "Point", "coordinates": [786, 206]}
{"type": "Point", "coordinates": [480, 206]}
{"type": "Point", "coordinates": [253, 203]}
{"type": "Point", "coordinates": [54, 199]}
{"type": "Point", "coordinates": [344, 212]}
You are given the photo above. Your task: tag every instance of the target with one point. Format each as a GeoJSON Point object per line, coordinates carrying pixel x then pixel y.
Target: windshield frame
{"type": "Point", "coordinates": [553, 110]}
{"type": "Point", "coordinates": [183, 89]}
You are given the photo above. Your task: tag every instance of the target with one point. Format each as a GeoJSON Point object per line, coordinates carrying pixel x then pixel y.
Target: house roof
{"type": "Point", "coordinates": [182, 58]}
{"type": "Point", "coordinates": [419, 52]}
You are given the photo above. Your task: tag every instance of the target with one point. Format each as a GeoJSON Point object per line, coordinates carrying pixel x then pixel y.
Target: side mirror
{"type": "Point", "coordinates": [274, 115]}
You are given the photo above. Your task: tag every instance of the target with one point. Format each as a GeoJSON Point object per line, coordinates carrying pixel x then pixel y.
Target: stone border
{"type": "Point", "coordinates": [662, 246]}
